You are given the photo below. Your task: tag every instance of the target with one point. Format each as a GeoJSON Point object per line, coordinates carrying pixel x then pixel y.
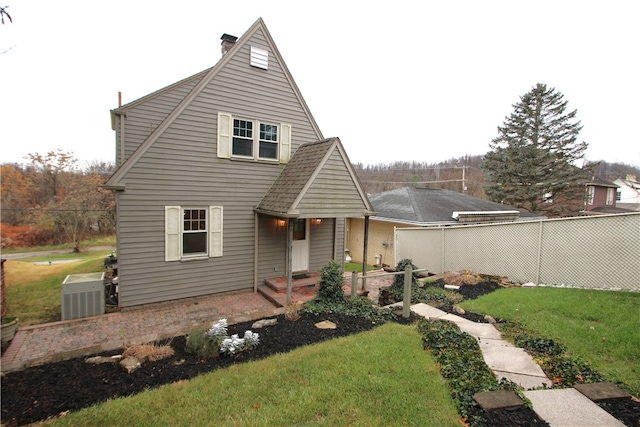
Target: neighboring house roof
{"type": "Point", "coordinates": [116, 181]}
{"type": "Point", "coordinates": [300, 189]}
{"type": "Point", "coordinates": [424, 206]}
{"type": "Point", "coordinates": [609, 209]}
{"type": "Point", "coordinates": [635, 207]}
{"type": "Point", "coordinates": [629, 182]}
{"type": "Point", "coordinates": [600, 182]}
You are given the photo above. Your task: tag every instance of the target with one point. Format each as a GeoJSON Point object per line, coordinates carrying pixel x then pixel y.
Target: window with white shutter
{"type": "Point", "coordinates": [248, 139]}
{"type": "Point", "coordinates": [193, 232]}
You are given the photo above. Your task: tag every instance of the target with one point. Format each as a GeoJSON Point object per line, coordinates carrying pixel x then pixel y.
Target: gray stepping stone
{"type": "Point", "coordinates": [602, 391]}
{"type": "Point", "coordinates": [527, 382]}
{"type": "Point", "coordinates": [499, 399]}
{"type": "Point", "coordinates": [500, 355]}
{"type": "Point", "coordinates": [569, 408]}
{"type": "Point", "coordinates": [478, 330]}
{"type": "Point", "coordinates": [427, 311]}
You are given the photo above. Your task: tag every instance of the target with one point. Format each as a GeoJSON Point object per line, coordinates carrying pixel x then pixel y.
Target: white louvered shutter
{"type": "Point", "coordinates": [172, 233]}
{"type": "Point", "coordinates": [215, 231]}
{"type": "Point", "coordinates": [225, 135]}
{"type": "Point", "coordinates": [285, 143]}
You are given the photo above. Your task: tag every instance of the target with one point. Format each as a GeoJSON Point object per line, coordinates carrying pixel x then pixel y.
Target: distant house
{"type": "Point", "coordinates": [601, 197]}
{"type": "Point", "coordinates": [628, 196]}
{"type": "Point", "coordinates": [224, 179]}
{"type": "Point", "coordinates": [421, 207]}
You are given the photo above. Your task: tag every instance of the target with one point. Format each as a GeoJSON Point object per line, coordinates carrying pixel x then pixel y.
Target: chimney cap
{"type": "Point", "coordinates": [228, 38]}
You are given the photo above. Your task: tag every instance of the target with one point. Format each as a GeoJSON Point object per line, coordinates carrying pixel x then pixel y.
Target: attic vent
{"type": "Point", "coordinates": [259, 57]}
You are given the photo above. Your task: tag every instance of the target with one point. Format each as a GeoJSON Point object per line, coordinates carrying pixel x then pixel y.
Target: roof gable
{"type": "Point", "coordinates": [116, 181]}
{"type": "Point", "coordinates": [318, 181]}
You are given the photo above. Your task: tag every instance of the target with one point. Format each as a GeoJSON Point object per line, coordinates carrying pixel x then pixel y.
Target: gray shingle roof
{"type": "Point", "coordinates": [300, 174]}
{"type": "Point", "coordinates": [428, 205]}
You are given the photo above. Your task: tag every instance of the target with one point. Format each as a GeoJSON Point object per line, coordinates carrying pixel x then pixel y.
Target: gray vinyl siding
{"type": "Point", "coordinates": [321, 244]}
{"type": "Point", "coordinates": [333, 186]}
{"type": "Point", "coordinates": [142, 118]}
{"type": "Point", "coordinates": [340, 236]}
{"type": "Point", "coordinates": [181, 169]}
{"type": "Point", "coordinates": [272, 249]}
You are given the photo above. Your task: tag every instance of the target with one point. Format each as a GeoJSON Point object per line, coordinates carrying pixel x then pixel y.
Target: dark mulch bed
{"type": "Point", "coordinates": [46, 391]}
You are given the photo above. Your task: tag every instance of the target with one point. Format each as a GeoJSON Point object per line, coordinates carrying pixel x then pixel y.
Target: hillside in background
{"type": "Point", "coordinates": [463, 174]}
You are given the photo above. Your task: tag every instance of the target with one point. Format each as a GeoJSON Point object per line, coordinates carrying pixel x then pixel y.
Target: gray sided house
{"type": "Point", "coordinates": [224, 179]}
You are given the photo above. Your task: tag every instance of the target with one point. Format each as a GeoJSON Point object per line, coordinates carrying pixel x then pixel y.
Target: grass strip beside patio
{"type": "Point", "coordinates": [34, 291]}
{"type": "Point", "coordinates": [379, 377]}
{"type": "Point", "coordinates": [599, 327]}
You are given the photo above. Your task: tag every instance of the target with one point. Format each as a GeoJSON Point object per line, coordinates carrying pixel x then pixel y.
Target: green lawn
{"type": "Point", "coordinates": [600, 327]}
{"type": "Point", "coordinates": [34, 291]}
{"type": "Point", "coordinates": [380, 377]}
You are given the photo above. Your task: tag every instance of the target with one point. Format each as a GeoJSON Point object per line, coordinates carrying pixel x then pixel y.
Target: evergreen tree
{"type": "Point", "coordinates": [532, 162]}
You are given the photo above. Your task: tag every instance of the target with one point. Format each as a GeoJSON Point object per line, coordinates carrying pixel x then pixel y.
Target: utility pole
{"type": "Point", "coordinates": [464, 183]}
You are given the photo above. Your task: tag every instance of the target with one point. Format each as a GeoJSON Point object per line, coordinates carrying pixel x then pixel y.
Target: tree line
{"type": "Point", "coordinates": [50, 200]}
{"type": "Point", "coordinates": [536, 162]}
{"type": "Point", "coordinates": [533, 163]}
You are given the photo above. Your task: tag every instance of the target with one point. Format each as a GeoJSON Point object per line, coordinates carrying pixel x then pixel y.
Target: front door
{"type": "Point", "coordinates": [300, 249]}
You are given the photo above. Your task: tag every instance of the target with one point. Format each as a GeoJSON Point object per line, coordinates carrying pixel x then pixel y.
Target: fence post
{"type": "Point", "coordinates": [406, 300]}
{"type": "Point", "coordinates": [354, 283]}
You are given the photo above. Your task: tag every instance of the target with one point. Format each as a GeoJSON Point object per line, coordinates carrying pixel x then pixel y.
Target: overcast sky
{"type": "Point", "coordinates": [400, 80]}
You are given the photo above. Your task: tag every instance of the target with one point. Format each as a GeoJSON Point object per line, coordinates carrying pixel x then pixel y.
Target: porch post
{"type": "Point", "coordinates": [256, 230]}
{"type": "Point", "coordinates": [364, 252]}
{"type": "Point", "coordinates": [289, 257]}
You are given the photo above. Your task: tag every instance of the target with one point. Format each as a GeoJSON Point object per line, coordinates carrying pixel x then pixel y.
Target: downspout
{"type": "Point", "coordinates": [364, 252]}
{"type": "Point", "coordinates": [121, 139]}
{"type": "Point", "coordinates": [256, 229]}
{"type": "Point", "coordinates": [122, 116]}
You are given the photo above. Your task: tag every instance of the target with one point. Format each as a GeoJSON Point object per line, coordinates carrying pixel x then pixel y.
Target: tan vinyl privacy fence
{"type": "Point", "coordinates": [596, 252]}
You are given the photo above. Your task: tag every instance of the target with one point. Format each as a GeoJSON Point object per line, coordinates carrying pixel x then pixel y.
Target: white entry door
{"type": "Point", "coordinates": [300, 249]}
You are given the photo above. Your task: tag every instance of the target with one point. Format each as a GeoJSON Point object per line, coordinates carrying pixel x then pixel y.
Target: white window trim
{"type": "Point", "coordinates": [225, 140]}
{"type": "Point", "coordinates": [173, 220]}
{"type": "Point", "coordinates": [611, 194]}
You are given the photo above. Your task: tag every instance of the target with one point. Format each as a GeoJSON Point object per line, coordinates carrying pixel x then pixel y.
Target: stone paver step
{"type": "Point", "coordinates": [569, 408]}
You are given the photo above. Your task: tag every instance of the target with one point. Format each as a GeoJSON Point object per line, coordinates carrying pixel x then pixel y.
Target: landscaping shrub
{"type": "Point", "coordinates": [562, 368]}
{"type": "Point", "coordinates": [397, 287]}
{"type": "Point", "coordinates": [200, 344]}
{"type": "Point", "coordinates": [331, 283]}
{"type": "Point", "coordinates": [461, 363]}
{"type": "Point", "coordinates": [210, 343]}
{"type": "Point", "coordinates": [432, 293]}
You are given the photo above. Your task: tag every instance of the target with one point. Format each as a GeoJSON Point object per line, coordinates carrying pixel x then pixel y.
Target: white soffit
{"type": "Point", "coordinates": [259, 57]}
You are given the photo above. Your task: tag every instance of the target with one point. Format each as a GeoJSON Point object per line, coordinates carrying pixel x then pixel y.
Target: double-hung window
{"type": "Point", "coordinates": [246, 142]}
{"type": "Point", "coordinates": [268, 142]}
{"type": "Point", "coordinates": [253, 139]}
{"type": "Point", "coordinates": [242, 138]}
{"type": "Point", "coordinates": [193, 232]}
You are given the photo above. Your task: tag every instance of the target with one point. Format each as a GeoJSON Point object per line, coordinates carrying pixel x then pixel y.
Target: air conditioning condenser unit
{"type": "Point", "coordinates": [83, 295]}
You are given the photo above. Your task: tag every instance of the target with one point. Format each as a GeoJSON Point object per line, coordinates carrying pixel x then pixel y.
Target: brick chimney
{"type": "Point", "coordinates": [228, 41]}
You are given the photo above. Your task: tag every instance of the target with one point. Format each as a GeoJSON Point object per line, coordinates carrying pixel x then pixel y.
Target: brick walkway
{"type": "Point", "coordinates": [34, 345]}
{"type": "Point", "coordinates": [39, 344]}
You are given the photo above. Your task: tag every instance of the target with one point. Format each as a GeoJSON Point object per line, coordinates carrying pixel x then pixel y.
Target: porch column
{"type": "Point", "coordinates": [289, 259]}
{"type": "Point", "coordinates": [364, 252]}
{"type": "Point", "coordinates": [256, 230]}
